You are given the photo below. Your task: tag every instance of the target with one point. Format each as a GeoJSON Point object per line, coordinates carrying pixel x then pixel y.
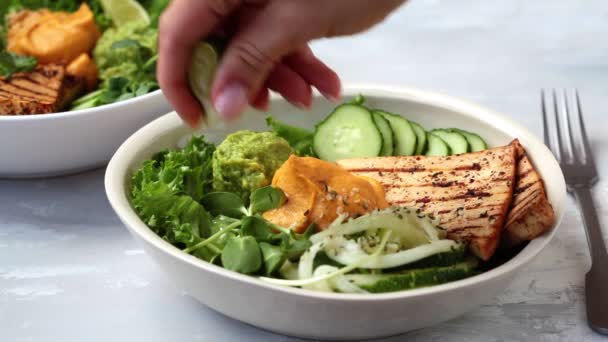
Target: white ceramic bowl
{"type": "Point", "coordinates": [61, 143]}
{"type": "Point", "coordinates": [303, 313]}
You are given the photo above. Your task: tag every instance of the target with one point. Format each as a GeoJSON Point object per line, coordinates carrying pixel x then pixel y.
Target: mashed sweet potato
{"type": "Point", "coordinates": [318, 192]}
{"type": "Point", "coordinates": [53, 37]}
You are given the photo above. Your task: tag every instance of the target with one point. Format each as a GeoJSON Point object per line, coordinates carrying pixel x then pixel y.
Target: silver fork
{"type": "Point", "coordinates": [575, 158]}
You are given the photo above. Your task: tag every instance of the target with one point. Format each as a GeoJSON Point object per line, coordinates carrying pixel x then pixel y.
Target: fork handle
{"type": "Point", "coordinates": [592, 225]}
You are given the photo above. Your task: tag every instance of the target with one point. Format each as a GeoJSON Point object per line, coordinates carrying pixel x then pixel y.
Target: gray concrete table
{"type": "Point", "coordinates": [69, 271]}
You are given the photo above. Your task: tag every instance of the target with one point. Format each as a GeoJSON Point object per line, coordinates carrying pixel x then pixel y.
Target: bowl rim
{"type": "Point", "coordinates": [80, 112]}
{"type": "Point", "coordinates": [118, 170]}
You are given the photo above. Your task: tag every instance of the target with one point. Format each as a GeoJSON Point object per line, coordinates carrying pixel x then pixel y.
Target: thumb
{"type": "Point", "coordinates": [251, 55]}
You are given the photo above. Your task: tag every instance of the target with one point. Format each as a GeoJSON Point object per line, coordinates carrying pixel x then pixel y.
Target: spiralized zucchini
{"type": "Point", "coordinates": [347, 252]}
{"type": "Point", "coordinates": [384, 239]}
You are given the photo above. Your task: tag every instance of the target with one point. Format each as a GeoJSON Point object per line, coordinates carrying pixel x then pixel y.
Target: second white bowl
{"type": "Point", "coordinates": [62, 143]}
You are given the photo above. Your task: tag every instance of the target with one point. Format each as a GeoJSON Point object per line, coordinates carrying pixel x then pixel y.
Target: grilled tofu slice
{"type": "Point", "coordinates": [46, 89]}
{"type": "Point", "coordinates": [531, 213]}
{"type": "Point", "coordinates": [468, 194]}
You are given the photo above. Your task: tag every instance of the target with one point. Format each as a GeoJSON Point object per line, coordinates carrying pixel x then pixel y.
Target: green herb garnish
{"type": "Point", "coordinates": [11, 63]}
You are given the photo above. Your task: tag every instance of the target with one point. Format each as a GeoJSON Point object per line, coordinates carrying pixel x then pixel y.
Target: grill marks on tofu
{"type": "Point", "coordinates": [47, 89]}
{"type": "Point", "coordinates": [468, 194]}
{"type": "Point", "coordinates": [531, 213]}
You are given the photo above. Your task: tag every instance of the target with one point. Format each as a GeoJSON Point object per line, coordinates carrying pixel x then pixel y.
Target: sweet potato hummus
{"type": "Point", "coordinates": [53, 37]}
{"type": "Point", "coordinates": [318, 192]}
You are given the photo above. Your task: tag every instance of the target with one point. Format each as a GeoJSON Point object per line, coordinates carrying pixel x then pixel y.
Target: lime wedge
{"type": "Point", "coordinates": [204, 61]}
{"type": "Point", "coordinates": [125, 11]}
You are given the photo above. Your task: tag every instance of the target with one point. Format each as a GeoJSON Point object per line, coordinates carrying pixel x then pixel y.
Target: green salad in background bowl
{"type": "Point", "coordinates": [112, 59]}
{"type": "Point", "coordinates": [100, 83]}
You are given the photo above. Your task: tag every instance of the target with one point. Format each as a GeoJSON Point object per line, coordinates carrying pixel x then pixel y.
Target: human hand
{"type": "Point", "coordinates": [267, 50]}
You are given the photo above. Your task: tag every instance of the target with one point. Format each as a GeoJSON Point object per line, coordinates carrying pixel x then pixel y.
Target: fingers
{"type": "Point", "coordinates": [315, 72]}
{"type": "Point", "coordinates": [181, 26]}
{"type": "Point", "coordinates": [291, 85]}
{"type": "Point", "coordinates": [253, 52]}
{"type": "Point", "coordinates": [262, 100]}
{"type": "Point", "coordinates": [266, 33]}
{"type": "Point", "coordinates": [294, 76]}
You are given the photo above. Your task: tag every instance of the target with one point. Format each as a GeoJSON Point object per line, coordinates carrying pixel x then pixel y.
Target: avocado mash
{"type": "Point", "coordinates": [247, 160]}
{"type": "Point", "coordinates": [120, 52]}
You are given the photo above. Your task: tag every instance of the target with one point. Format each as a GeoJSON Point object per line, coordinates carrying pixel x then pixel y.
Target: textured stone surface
{"type": "Point", "coordinates": [69, 271]}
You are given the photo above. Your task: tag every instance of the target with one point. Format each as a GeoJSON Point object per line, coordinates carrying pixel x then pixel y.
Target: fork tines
{"type": "Point", "coordinates": [569, 142]}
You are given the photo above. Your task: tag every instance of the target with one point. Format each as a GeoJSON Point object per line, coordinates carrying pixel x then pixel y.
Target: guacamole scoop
{"type": "Point", "coordinates": [139, 43]}
{"type": "Point", "coordinates": [246, 161]}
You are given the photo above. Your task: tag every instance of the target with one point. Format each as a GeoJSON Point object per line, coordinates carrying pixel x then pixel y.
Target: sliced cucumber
{"type": "Point", "coordinates": [436, 146]}
{"type": "Point", "coordinates": [387, 134]}
{"type": "Point", "coordinates": [348, 132]}
{"type": "Point", "coordinates": [420, 138]}
{"type": "Point", "coordinates": [457, 142]}
{"type": "Point", "coordinates": [405, 137]}
{"type": "Point", "coordinates": [410, 279]}
{"type": "Point", "coordinates": [476, 143]}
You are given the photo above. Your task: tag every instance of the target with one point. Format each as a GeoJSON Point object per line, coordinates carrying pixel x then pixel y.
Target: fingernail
{"type": "Point", "coordinates": [334, 99]}
{"type": "Point", "coordinates": [194, 121]}
{"type": "Point", "coordinates": [231, 101]}
{"type": "Point", "coordinates": [203, 119]}
{"type": "Point", "coordinates": [300, 105]}
{"type": "Point", "coordinates": [264, 106]}
{"type": "Point", "coordinates": [331, 97]}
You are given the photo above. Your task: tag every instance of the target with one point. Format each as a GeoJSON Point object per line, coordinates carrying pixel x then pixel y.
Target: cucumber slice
{"type": "Point", "coordinates": [348, 132]}
{"type": "Point", "coordinates": [457, 142]}
{"type": "Point", "coordinates": [405, 137]}
{"type": "Point", "coordinates": [387, 134]}
{"type": "Point", "coordinates": [410, 279]}
{"type": "Point", "coordinates": [436, 146]}
{"type": "Point", "coordinates": [476, 143]}
{"type": "Point", "coordinates": [420, 138]}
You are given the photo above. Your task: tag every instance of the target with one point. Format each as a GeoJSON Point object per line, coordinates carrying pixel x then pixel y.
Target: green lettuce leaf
{"type": "Point", "coordinates": [53, 5]}
{"type": "Point", "coordinates": [101, 18]}
{"type": "Point", "coordinates": [11, 63]}
{"type": "Point", "coordinates": [298, 138]}
{"type": "Point", "coordinates": [166, 193]}
{"type": "Point", "coordinates": [155, 8]}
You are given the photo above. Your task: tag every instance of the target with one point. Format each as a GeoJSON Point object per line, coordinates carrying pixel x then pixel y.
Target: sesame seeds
{"type": "Point", "coordinates": [331, 195]}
